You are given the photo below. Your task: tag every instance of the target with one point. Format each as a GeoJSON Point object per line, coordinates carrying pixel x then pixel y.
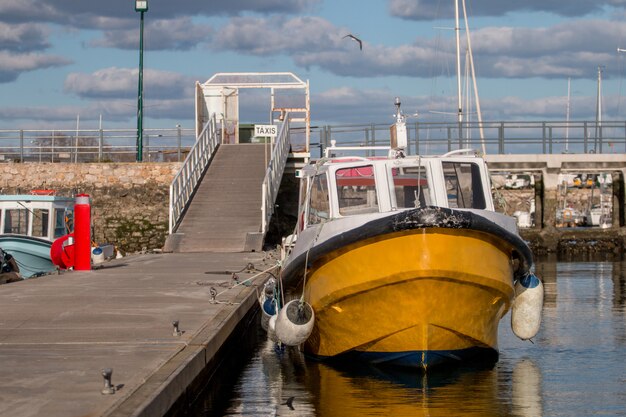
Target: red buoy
{"type": "Point", "coordinates": [62, 251]}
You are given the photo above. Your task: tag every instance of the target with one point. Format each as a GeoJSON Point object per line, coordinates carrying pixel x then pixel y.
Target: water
{"type": "Point", "coordinates": [576, 367]}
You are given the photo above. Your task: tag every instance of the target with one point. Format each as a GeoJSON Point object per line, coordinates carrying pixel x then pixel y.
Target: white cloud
{"type": "Point", "coordinates": [122, 83]}
{"type": "Point", "coordinates": [500, 52]}
{"type": "Point", "coordinates": [172, 34]}
{"type": "Point", "coordinates": [13, 64]}
{"type": "Point", "coordinates": [23, 37]}
{"type": "Point", "coordinates": [279, 35]}
{"type": "Point", "coordinates": [431, 9]}
{"type": "Point", "coordinates": [101, 14]}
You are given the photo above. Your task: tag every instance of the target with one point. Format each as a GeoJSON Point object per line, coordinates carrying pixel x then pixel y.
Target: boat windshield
{"type": "Point", "coordinates": [410, 187]}
{"type": "Point", "coordinates": [319, 205]}
{"type": "Point", "coordinates": [62, 222]}
{"type": "Point", "coordinates": [356, 190]}
{"type": "Point", "coordinates": [464, 185]}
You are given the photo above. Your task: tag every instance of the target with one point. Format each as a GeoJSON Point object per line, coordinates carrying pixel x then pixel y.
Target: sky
{"type": "Point", "coordinates": [66, 59]}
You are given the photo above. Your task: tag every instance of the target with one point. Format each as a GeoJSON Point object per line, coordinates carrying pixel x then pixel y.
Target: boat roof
{"type": "Point", "coordinates": [36, 198]}
{"type": "Point", "coordinates": [322, 164]}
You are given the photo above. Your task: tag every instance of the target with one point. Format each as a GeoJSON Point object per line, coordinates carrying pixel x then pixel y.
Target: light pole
{"type": "Point", "coordinates": [142, 7]}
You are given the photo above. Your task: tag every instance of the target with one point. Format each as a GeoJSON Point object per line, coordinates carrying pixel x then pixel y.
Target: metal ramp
{"type": "Point", "coordinates": [224, 195]}
{"type": "Point", "coordinates": [224, 214]}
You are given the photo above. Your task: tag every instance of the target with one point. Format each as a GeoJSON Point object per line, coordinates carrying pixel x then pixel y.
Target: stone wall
{"type": "Point", "coordinates": [130, 201]}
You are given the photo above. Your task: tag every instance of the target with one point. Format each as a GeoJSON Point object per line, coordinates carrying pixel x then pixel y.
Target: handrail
{"type": "Point", "coordinates": [185, 182]}
{"type": "Point", "coordinates": [274, 174]}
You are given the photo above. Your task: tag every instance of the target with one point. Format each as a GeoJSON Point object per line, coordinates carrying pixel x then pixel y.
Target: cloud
{"type": "Point", "coordinates": [559, 51]}
{"type": "Point", "coordinates": [23, 37]}
{"type": "Point", "coordinates": [123, 112]}
{"type": "Point", "coordinates": [280, 35]}
{"type": "Point", "coordinates": [101, 14]}
{"type": "Point", "coordinates": [315, 42]}
{"type": "Point", "coordinates": [122, 83]}
{"type": "Point", "coordinates": [13, 64]}
{"type": "Point", "coordinates": [350, 105]}
{"type": "Point", "coordinates": [173, 34]}
{"type": "Point", "coordinates": [334, 106]}
{"type": "Point", "coordinates": [431, 9]}
{"type": "Point", "coordinates": [562, 50]}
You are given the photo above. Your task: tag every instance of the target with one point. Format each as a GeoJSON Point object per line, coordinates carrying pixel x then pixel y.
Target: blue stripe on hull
{"type": "Point", "coordinates": [424, 359]}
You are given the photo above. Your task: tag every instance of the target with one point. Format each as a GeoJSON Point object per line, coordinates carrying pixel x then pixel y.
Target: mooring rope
{"type": "Point", "coordinates": [215, 294]}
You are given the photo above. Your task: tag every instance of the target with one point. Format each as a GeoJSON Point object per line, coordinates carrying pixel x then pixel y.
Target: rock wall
{"type": "Point", "coordinates": [130, 201]}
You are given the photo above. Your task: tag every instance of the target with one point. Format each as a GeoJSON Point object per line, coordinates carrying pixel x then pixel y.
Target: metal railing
{"type": "Point", "coordinates": [541, 137]}
{"type": "Point", "coordinates": [94, 145]}
{"type": "Point", "coordinates": [119, 145]}
{"type": "Point", "coordinates": [274, 173]}
{"type": "Point", "coordinates": [185, 182]}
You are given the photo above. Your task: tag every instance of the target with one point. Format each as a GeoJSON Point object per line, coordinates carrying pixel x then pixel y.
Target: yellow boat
{"type": "Point", "coordinates": [403, 259]}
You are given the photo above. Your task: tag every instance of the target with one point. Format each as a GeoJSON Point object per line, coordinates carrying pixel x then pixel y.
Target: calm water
{"type": "Point", "coordinates": [576, 367]}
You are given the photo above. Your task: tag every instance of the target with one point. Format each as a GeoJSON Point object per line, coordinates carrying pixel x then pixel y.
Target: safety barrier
{"type": "Point", "coordinates": [185, 182]}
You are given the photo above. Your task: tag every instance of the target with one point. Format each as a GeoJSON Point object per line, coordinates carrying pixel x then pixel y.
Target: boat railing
{"type": "Point", "coordinates": [328, 151]}
{"type": "Point", "coordinates": [274, 173]}
{"type": "Point", "coordinates": [185, 182]}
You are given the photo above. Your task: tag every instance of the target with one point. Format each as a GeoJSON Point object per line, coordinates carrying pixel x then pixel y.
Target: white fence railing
{"type": "Point", "coordinates": [185, 182]}
{"type": "Point", "coordinates": [274, 174]}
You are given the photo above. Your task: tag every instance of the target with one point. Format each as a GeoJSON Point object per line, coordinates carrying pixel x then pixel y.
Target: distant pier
{"type": "Point", "coordinates": [545, 236]}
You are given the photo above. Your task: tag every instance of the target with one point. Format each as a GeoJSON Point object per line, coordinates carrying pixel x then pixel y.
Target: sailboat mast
{"type": "Point", "coordinates": [598, 109]}
{"type": "Point", "coordinates": [476, 97]}
{"type": "Point", "coordinates": [457, 29]}
{"type": "Point", "coordinates": [599, 97]}
{"type": "Point", "coordinates": [569, 97]}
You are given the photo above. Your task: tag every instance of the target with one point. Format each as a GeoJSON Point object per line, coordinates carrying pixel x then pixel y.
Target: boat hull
{"type": "Point", "coordinates": [417, 298]}
{"type": "Point", "coordinates": [31, 254]}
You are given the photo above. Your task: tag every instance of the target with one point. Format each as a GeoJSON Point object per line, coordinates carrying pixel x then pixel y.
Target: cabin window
{"type": "Point", "coordinates": [62, 222]}
{"type": "Point", "coordinates": [410, 187]}
{"type": "Point", "coordinates": [319, 206]}
{"type": "Point", "coordinates": [40, 222]}
{"type": "Point", "coordinates": [463, 185]}
{"type": "Point", "coordinates": [356, 190]}
{"type": "Point", "coordinates": [16, 221]}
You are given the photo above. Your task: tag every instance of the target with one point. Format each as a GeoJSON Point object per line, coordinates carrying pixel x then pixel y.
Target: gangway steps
{"type": "Point", "coordinates": [226, 209]}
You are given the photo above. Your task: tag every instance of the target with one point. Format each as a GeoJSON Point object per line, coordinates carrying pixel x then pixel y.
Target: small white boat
{"type": "Point", "coordinates": [29, 223]}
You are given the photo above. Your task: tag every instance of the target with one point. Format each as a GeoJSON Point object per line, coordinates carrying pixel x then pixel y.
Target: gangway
{"type": "Point", "coordinates": [223, 197]}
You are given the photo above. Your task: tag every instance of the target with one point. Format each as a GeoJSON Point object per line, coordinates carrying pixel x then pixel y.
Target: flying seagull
{"type": "Point", "coordinates": [351, 36]}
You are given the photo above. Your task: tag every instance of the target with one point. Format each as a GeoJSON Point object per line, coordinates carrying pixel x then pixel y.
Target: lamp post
{"type": "Point", "coordinates": [142, 7]}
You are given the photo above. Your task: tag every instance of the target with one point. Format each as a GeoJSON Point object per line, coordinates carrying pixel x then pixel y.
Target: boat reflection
{"type": "Point", "coordinates": [369, 390]}
{"type": "Point", "coordinates": [299, 386]}
{"type": "Point", "coordinates": [619, 285]}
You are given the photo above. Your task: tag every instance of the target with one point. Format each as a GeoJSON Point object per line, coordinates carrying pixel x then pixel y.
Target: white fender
{"type": "Point", "coordinates": [294, 323]}
{"type": "Point", "coordinates": [527, 306]}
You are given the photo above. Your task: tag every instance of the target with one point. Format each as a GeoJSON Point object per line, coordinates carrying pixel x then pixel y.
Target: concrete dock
{"type": "Point", "coordinates": [57, 333]}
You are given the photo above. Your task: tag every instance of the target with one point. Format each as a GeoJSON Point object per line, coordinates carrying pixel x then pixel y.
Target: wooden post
{"type": "Point", "coordinates": [619, 213]}
{"type": "Point", "coordinates": [538, 201]}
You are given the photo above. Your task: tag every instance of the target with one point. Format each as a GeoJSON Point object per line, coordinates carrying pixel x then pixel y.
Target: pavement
{"type": "Point", "coordinates": [58, 332]}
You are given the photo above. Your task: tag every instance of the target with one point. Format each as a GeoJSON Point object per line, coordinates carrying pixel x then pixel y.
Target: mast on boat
{"type": "Point", "coordinates": [569, 96]}
{"type": "Point", "coordinates": [457, 30]}
{"type": "Point", "coordinates": [471, 66]}
{"type": "Point", "coordinates": [598, 108]}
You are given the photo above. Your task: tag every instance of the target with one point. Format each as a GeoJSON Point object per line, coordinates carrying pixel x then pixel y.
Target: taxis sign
{"type": "Point", "coordinates": [265, 130]}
